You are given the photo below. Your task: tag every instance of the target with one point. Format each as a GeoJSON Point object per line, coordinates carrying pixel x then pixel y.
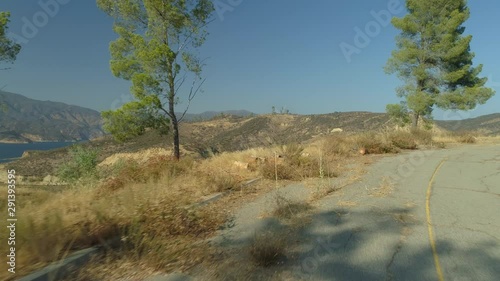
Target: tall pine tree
{"type": "Point", "coordinates": [155, 50]}
{"type": "Point", "coordinates": [434, 60]}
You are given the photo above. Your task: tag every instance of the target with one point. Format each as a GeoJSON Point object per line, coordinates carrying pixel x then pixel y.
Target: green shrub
{"type": "Point", "coordinates": [83, 164]}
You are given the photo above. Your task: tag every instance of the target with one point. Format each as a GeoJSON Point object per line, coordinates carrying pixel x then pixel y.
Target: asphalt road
{"type": "Point", "coordinates": [432, 215]}
{"type": "Point", "coordinates": [422, 215]}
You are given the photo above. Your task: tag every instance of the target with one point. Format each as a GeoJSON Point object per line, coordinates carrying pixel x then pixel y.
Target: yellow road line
{"type": "Point", "coordinates": [429, 223]}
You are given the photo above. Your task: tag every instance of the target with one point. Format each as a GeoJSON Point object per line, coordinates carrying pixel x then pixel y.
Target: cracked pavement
{"type": "Point", "coordinates": [391, 234]}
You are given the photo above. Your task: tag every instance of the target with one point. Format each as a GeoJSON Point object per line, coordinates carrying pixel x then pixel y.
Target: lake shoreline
{"type": "Point", "coordinates": [43, 141]}
{"type": "Point", "coordinates": [11, 151]}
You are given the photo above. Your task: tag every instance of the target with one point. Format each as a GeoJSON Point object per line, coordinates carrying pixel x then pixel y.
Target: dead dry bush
{"type": "Point", "coordinates": [464, 137]}
{"type": "Point", "coordinates": [374, 143]}
{"type": "Point", "coordinates": [339, 145]}
{"type": "Point", "coordinates": [403, 139]}
{"type": "Point", "coordinates": [293, 163]}
{"type": "Point", "coordinates": [221, 181]}
{"type": "Point", "coordinates": [287, 209]}
{"type": "Point", "coordinates": [267, 248]}
{"type": "Point", "coordinates": [130, 171]}
{"type": "Point", "coordinates": [281, 171]}
{"type": "Point", "coordinates": [422, 136]}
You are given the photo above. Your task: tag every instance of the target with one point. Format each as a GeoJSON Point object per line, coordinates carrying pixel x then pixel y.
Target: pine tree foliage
{"type": "Point", "coordinates": [434, 60]}
{"type": "Point", "coordinates": [155, 50]}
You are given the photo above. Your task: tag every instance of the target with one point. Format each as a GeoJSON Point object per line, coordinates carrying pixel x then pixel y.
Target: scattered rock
{"type": "Point", "coordinates": [241, 165]}
{"type": "Point", "coordinates": [50, 180]}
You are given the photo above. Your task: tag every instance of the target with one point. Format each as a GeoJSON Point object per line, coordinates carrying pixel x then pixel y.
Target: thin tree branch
{"type": "Point", "coordinates": [192, 95]}
{"type": "Point", "coordinates": [189, 37]}
{"type": "Point", "coordinates": [179, 83]}
{"type": "Point", "coordinates": [166, 112]}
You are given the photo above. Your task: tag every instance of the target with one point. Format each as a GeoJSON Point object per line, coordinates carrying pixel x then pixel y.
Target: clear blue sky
{"type": "Point", "coordinates": [261, 53]}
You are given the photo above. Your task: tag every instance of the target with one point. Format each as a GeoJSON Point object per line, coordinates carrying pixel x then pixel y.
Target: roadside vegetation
{"type": "Point", "coordinates": [145, 203]}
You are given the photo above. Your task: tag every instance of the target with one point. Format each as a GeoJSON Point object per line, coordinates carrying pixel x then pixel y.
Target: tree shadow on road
{"type": "Point", "coordinates": [370, 243]}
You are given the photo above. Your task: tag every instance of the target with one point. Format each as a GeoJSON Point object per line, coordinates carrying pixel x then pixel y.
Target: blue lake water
{"type": "Point", "coordinates": [11, 151]}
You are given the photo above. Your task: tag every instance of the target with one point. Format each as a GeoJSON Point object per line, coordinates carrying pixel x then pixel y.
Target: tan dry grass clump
{"type": "Point", "coordinates": [460, 137]}
{"type": "Point", "coordinates": [139, 157]}
{"type": "Point", "coordinates": [226, 171]}
{"type": "Point", "coordinates": [385, 188]}
{"type": "Point", "coordinates": [465, 137]}
{"type": "Point", "coordinates": [488, 139]}
{"type": "Point", "coordinates": [347, 203]}
{"type": "Point", "coordinates": [374, 143]}
{"type": "Point", "coordinates": [296, 162]}
{"type": "Point", "coordinates": [287, 209]}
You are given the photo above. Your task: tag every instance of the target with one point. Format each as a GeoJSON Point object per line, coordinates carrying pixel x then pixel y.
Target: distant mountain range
{"type": "Point", "coordinates": [27, 120]}
{"type": "Point", "coordinates": [489, 124]}
{"type": "Point", "coordinates": [211, 114]}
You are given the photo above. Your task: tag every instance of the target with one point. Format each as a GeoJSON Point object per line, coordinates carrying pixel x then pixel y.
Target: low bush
{"type": "Point", "coordinates": [83, 164]}
{"type": "Point", "coordinates": [339, 145]}
{"type": "Point", "coordinates": [220, 181]}
{"type": "Point", "coordinates": [374, 143]}
{"type": "Point", "coordinates": [403, 139]}
{"type": "Point", "coordinates": [423, 137]}
{"type": "Point", "coordinates": [279, 171]}
{"type": "Point", "coordinates": [267, 248]}
{"type": "Point", "coordinates": [130, 171]}
{"type": "Point", "coordinates": [464, 137]}
{"type": "Point", "coordinates": [286, 209]}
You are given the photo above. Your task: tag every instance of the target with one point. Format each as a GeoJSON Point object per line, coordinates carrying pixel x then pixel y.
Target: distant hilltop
{"type": "Point", "coordinates": [27, 120]}
{"type": "Point", "coordinates": [212, 114]}
{"type": "Point", "coordinates": [24, 120]}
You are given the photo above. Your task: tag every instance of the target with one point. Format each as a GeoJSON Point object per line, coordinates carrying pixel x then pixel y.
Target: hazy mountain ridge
{"type": "Point", "coordinates": [211, 114]}
{"type": "Point", "coordinates": [488, 124]}
{"type": "Point", "coordinates": [28, 120]}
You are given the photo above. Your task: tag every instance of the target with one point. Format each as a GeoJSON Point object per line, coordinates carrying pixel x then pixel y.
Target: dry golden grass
{"type": "Point", "coordinates": [143, 201]}
{"type": "Point", "coordinates": [347, 203]}
{"type": "Point", "coordinates": [465, 137]}
{"type": "Point", "coordinates": [287, 209]}
{"type": "Point", "coordinates": [149, 215]}
{"type": "Point", "coordinates": [488, 139]}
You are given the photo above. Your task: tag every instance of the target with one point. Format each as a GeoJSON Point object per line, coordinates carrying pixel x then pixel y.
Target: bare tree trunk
{"type": "Point", "coordinates": [415, 117]}
{"type": "Point", "coordinates": [177, 152]}
{"type": "Point", "coordinates": [175, 124]}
